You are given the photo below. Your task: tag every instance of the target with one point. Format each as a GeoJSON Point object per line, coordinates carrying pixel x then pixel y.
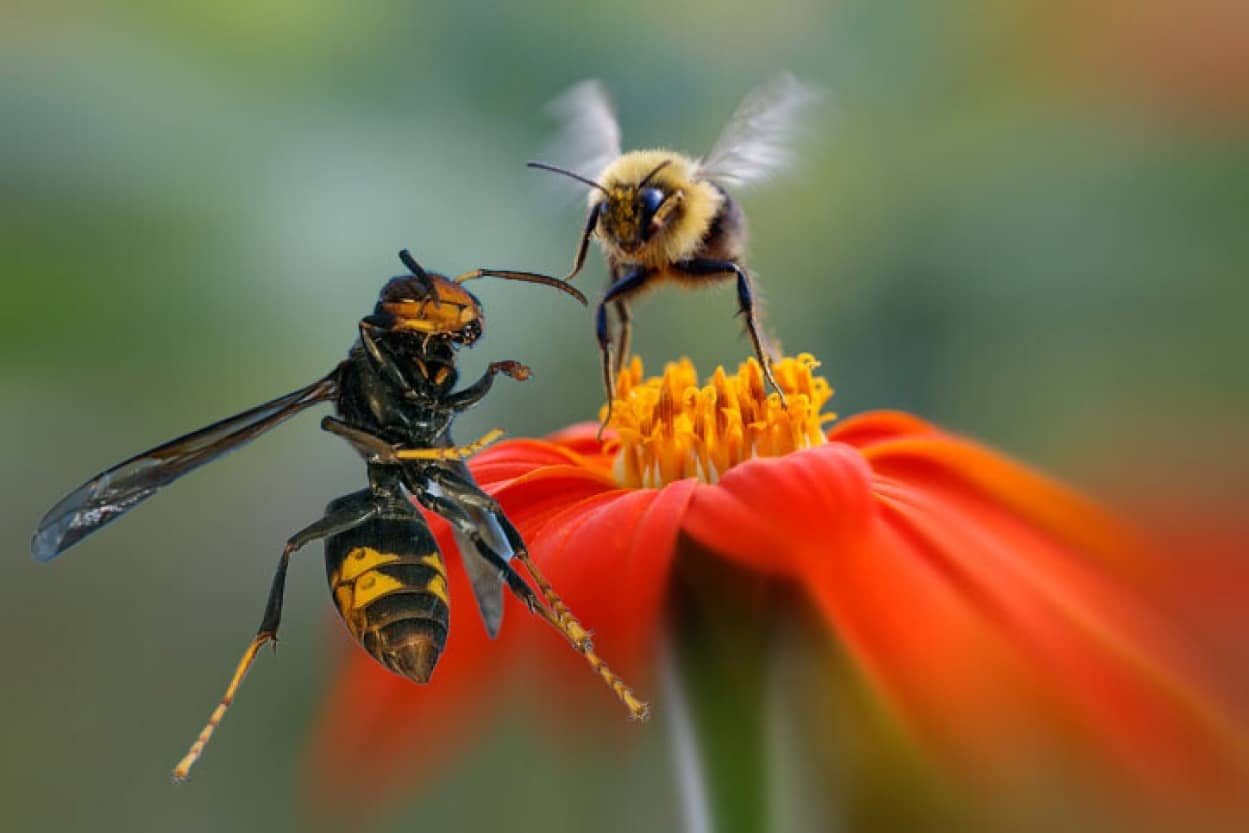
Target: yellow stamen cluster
{"type": "Point", "coordinates": [669, 428]}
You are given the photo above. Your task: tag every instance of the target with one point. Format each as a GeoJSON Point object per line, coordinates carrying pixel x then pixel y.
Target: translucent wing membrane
{"type": "Point", "coordinates": [115, 492]}
{"type": "Point", "coordinates": [758, 140]}
{"type": "Point", "coordinates": [486, 580]}
{"type": "Point", "coordinates": [589, 136]}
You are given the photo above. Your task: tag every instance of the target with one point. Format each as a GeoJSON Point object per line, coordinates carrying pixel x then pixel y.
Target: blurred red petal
{"type": "Point", "coordinates": [975, 593]}
{"type": "Point", "coordinates": [995, 609]}
{"type": "Point", "coordinates": [864, 430]}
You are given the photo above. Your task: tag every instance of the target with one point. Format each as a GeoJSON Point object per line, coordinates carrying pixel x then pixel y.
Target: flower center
{"type": "Point", "coordinates": [669, 428]}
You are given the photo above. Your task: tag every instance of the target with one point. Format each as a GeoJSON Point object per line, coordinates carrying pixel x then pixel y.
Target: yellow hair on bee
{"type": "Point", "coordinates": [700, 203]}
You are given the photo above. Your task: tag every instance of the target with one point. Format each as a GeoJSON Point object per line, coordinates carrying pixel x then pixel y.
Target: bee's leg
{"type": "Point", "coordinates": [626, 333]}
{"type": "Point", "coordinates": [358, 509]}
{"type": "Point", "coordinates": [603, 334]}
{"type": "Point", "coordinates": [747, 306]}
{"type": "Point", "coordinates": [624, 286]}
{"type": "Point", "coordinates": [465, 491]}
{"type": "Point", "coordinates": [583, 247]}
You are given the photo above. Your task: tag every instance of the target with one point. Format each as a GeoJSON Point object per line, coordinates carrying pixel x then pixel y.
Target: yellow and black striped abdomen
{"type": "Point", "coordinates": [390, 586]}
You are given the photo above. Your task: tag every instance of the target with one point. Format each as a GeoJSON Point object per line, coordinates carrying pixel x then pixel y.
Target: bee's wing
{"type": "Point", "coordinates": [113, 493]}
{"type": "Point", "coordinates": [757, 142]}
{"type": "Point", "coordinates": [589, 136]}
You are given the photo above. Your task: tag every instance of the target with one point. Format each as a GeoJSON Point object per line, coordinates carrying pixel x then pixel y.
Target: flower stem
{"type": "Point", "coordinates": [716, 682]}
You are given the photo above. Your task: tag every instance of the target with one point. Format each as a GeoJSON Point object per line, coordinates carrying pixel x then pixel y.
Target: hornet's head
{"type": "Point", "coordinates": [436, 306]}
{"type": "Point", "coordinates": [429, 304]}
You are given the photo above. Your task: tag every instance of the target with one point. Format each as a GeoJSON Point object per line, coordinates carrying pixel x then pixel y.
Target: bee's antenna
{"type": "Point", "coordinates": [527, 277]}
{"type": "Point", "coordinates": [654, 171]}
{"type": "Point", "coordinates": [410, 262]}
{"type": "Point", "coordinates": [553, 169]}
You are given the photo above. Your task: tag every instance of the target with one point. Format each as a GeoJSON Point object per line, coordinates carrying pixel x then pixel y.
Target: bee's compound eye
{"type": "Point", "coordinates": [650, 200]}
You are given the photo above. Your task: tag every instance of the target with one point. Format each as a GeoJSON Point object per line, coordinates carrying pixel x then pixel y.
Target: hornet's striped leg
{"type": "Point", "coordinates": [459, 490]}
{"type": "Point", "coordinates": [455, 452]}
{"type": "Point", "coordinates": [564, 620]}
{"type": "Point", "coordinates": [355, 513]}
{"type": "Point", "coordinates": [183, 770]}
{"type": "Point", "coordinates": [384, 452]}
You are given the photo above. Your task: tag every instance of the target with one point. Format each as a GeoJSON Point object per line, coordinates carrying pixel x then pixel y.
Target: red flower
{"type": "Point", "coordinates": [989, 606]}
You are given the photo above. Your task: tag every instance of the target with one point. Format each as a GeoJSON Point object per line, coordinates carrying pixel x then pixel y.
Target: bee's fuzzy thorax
{"type": "Point", "coordinates": [701, 203]}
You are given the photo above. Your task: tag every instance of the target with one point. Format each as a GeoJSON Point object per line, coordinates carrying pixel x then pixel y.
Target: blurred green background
{"type": "Point", "coordinates": [1024, 221]}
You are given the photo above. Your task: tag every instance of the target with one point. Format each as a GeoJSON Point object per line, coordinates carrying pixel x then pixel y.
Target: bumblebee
{"type": "Point", "coordinates": [396, 402]}
{"type": "Point", "coordinates": [659, 215]}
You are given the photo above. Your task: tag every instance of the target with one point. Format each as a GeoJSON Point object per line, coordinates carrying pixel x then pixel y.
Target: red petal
{"type": "Point", "coordinates": [581, 438]}
{"type": "Point", "coordinates": [515, 458]}
{"type": "Point", "coordinates": [978, 596]}
{"type": "Point", "coordinates": [948, 463]}
{"type": "Point", "coordinates": [609, 556]}
{"type": "Point", "coordinates": [770, 514]}
{"type": "Point", "coordinates": [863, 430]}
{"type": "Point", "coordinates": [1081, 644]}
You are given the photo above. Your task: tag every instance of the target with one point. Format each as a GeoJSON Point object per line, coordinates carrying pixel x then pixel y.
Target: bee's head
{"type": "Point", "coordinates": [429, 304]}
{"type": "Point", "coordinates": [633, 212]}
{"type": "Point", "coordinates": [639, 198]}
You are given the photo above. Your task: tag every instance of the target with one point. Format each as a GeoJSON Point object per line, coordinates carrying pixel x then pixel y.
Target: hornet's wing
{"type": "Point", "coordinates": [485, 578]}
{"type": "Point", "coordinates": [113, 493]}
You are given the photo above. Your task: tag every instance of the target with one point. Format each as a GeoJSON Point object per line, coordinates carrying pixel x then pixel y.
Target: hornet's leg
{"type": "Point", "coordinates": [474, 393]}
{"type": "Point", "coordinates": [381, 360]}
{"type": "Point", "coordinates": [455, 514]}
{"type": "Point", "coordinates": [366, 443]}
{"type": "Point", "coordinates": [629, 283]}
{"type": "Point", "coordinates": [383, 452]}
{"type": "Point", "coordinates": [353, 514]}
{"type": "Point", "coordinates": [747, 306]}
{"type": "Point", "coordinates": [463, 491]}
{"type": "Point", "coordinates": [454, 452]}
